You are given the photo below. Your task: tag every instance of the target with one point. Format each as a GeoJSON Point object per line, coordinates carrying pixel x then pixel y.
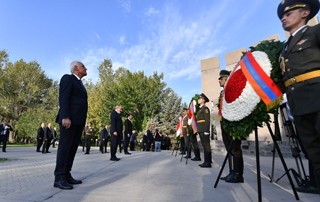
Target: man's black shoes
{"type": "Point", "coordinates": [227, 177]}
{"type": "Point", "coordinates": [114, 159]}
{"type": "Point", "coordinates": [308, 188]}
{"type": "Point", "coordinates": [196, 159]}
{"type": "Point", "coordinates": [127, 153]}
{"type": "Point", "coordinates": [235, 178]}
{"type": "Point", "coordinates": [205, 165]}
{"type": "Point", "coordinates": [71, 180]}
{"type": "Point", "coordinates": [63, 184]}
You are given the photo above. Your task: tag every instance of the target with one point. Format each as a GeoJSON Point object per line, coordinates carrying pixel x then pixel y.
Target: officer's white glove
{"type": "Point", "coordinates": [206, 133]}
{"type": "Point", "coordinates": [189, 122]}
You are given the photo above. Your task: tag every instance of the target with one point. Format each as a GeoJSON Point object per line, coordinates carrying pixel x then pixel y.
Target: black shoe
{"type": "Point", "coordinates": [63, 184]}
{"type": "Point", "coordinates": [205, 165]}
{"type": "Point", "coordinates": [114, 159]}
{"type": "Point", "coordinates": [48, 152]}
{"type": "Point", "coordinates": [308, 189]}
{"type": "Point", "coordinates": [227, 177]}
{"type": "Point", "coordinates": [127, 153]}
{"type": "Point", "coordinates": [196, 159]}
{"type": "Point", "coordinates": [38, 151]}
{"type": "Point", "coordinates": [71, 180]}
{"type": "Point", "coordinates": [86, 153]}
{"type": "Point", "coordinates": [235, 178]}
{"type": "Point", "coordinates": [43, 152]}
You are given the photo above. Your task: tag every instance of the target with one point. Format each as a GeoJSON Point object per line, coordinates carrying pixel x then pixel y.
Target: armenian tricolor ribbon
{"type": "Point", "coordinates": [191, 116]}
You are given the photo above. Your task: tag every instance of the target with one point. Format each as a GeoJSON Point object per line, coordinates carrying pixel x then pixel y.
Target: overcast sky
{"type": "Point", "coordinates": [169, 36]}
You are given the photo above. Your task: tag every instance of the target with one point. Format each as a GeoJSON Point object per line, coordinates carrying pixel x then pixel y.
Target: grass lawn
{"type": "Point", "coordinates": [20, 145]}
{"type": "Point", "coordinates": [2, 160]}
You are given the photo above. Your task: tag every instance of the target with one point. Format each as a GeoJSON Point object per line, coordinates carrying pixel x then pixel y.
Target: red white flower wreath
{"type": "Point", "coordinates": [240, 98]}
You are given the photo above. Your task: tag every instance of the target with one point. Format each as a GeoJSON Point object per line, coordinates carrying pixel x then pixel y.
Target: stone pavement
{"type": "Point", "coordinates": [143, 176]}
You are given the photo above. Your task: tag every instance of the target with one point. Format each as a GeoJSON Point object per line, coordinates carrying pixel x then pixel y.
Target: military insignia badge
{"type": "Point", "coordinates": [207, 110]}
{"type": "Point", "coordinates": [302, 41]}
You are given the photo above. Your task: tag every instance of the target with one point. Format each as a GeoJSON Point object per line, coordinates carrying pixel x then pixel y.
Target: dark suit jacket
{"type": "Point", "coordinates": [144, 139]}
{"type": "Point", "coordinates": [149, 136]}
{"type": "Point", "coordinates": [73, 100]}
{"type": "Point", "coordinates": [116, 123]}
{"type": "Point", "coordinates": [40, 133]}
{"type": "Point", "coordinates": [302, 56]}
{"type": "Point", "coordinates": [2, 127]}
{"type": "Point", "coordinates": [48, 133]}
{"type": "Point", "coordinates": [104, 133]}
{"type": "Point", "coordinates": [54, 134]}
{"type": "Point", "coordinates": [128, 128]}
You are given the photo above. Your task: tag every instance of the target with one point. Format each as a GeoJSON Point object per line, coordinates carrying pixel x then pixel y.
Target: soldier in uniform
{"type": "Point", "coordinates": [203, 129]}
{"type": "Point", "coordinates": [89, 133]}
{"type": "Point", "coordinates": [185, 132]}
{"type": "Point", "coordinates": [300, 63]}
{"type": "Point", "coordinates": [235, 160]}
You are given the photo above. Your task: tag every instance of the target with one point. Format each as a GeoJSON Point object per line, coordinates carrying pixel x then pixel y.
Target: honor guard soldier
{"type": "Point", "coordinates": [185, 132]}
{"type": "Point", "coordinates": [203, 129]}
{"type": "Point", "coordinates": [300, 63]}
{"type": "Point", "coordinates": [235, 158]}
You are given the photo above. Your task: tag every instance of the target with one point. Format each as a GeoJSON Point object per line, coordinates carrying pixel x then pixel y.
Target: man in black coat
{"type": "Point", "coordinates": [127, 133]}
{"type": "Point", "coordinates": [116, 131]}
{"type": "Point", "coordinates": [300, 63]}
{"type": "Point", "coordinates": [40, 137]}
{"type": "Point", "coordinates": [54, 137]}
{"type": "Point", "coordinates": [104, 136]}
{"type": "Point", "coordinates": [4, 134]}
{"type": "Point", "coordinates": [144, 141]}
{"type": "Point", "coordinates": [149, 138]}
{"type": "Point", "coordinates": [167, 141]}
{"type": "Point", "coordinates": [73, 101]}
{"type": "Point", "coordinates": [47, 139]}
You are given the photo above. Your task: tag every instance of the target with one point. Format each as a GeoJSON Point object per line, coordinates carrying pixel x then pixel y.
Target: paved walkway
{"type": "Point", "coordinates": [143, 176]}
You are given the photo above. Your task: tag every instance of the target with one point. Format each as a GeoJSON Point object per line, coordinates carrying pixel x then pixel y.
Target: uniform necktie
{"type": "Point", "coordinates": [288, 42]}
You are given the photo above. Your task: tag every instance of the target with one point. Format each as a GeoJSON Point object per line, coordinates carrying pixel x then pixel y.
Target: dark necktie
{"type": "Point", "coordinates": [84, 89]}
{"type": "Point", "coordinates": [288, 42]}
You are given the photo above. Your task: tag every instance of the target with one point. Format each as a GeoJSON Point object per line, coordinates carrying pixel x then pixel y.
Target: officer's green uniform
{"type": "Point", "coordinates": [89, 134]}
{"type": "Point", "coordinates": [186, 135]}
{"type": "Point", "coordinates": [300, 61]}
{"type": "Point", "coordinates": [203, 126]}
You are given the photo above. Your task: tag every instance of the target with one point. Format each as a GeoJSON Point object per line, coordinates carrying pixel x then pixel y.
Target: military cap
{"type": "Point", "coordinates": [288, 5]}
{"type": "Point", "coordinates": [204, 97]}
{"type": "Point", "coordinates": [224, 73]}
{"type": "Point", "coordinates": [185, 109]}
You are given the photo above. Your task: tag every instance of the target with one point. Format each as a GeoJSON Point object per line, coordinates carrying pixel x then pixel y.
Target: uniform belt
{"type": "Point", "coordinates": [201, 121]}
{"type": "Point", "coordinates": [302, 77]}
{"type": "Point", "coordinates": [184, 126]}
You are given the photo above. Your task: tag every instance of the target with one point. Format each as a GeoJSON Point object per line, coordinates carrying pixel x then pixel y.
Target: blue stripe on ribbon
{"type": "Point", "coordinates": [264, 87]}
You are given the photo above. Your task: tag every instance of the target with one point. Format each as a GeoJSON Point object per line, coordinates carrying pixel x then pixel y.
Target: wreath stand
{"type": "Point", "coordinates": [258, 164]}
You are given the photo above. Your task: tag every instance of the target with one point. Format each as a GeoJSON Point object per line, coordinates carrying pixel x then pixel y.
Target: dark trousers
{"type": "Point", "coordinates": [182, 144]}
{"type": "Point", "coordinates": [53, 142]}
{"type": "Point", "coordinates": [126, 143]}
{"type": "Point", "coordinates": [235, 158]}
{"type": "Point", "coordinates": [131, 146]}
{"type": "Point", "coordinates": [308, 129]}
{"type": "Point", "coordinates": [45, 145]}
{"type": "Point", "coordinates": [88, 143]}
{"type": "Point", "coordinates": [68, 145]}
{"type": "Point", "coordinates": [48, 144]}
{"type": "Point", "coordinates": [104, 144]}
{"type": "Point", "coordinates": [205, 141]}
{"type": "Point", "coordinates": [3, 139]}
{"type": "Point", "coordinates": [39, 143]}
{"type": "Point", "coordinates": [148, 146]}
{"type": "Point", "coordinates": [115, 141]}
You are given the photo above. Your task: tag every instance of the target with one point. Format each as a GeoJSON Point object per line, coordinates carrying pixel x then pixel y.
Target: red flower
{"type": "Point", "coordinates": [235, 86]}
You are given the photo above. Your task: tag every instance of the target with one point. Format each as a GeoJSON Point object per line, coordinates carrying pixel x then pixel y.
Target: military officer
{"type": "Point", "coordinates": [300, 63]}
{"type": "Point", "coordinates": [203, 129]}
{"type": "Point", "coordinates": [185, 132]}
{"type": "Point", "coordinates": [235, 159]}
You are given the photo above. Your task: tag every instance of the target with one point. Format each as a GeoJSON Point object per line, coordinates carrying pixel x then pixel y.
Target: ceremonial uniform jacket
{"type": "Point", "coordinates": [302, 56]}
{"type": "Point", "coordinates": [203, 119]}
{"type": "Point", "coordinates": [89, 131]}
{"type": "Point", "coordinates": [184, 126]}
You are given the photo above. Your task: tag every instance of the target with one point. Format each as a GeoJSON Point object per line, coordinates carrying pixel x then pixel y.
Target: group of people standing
{"type": "Point", "coordinates": [46, 136]}
{"type": "Point", "coordinates": [155, 141]}
{"type": "Point", "coordinates": [4, 134]}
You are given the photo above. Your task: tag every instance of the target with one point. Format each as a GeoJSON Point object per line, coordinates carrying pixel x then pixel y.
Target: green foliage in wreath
{"type": "Point", "coordinates": [243, 128]}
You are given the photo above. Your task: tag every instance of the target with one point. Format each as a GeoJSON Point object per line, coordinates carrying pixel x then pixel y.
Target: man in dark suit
{"type": "Point", "coordinates": [104, 135]}
{"type": "Point", "coordinates": [47, 139]}
{"type": "Point", "coordinates": [149, 138]}
{"type": "Point", "coordinates": [144, 142]}
{"type": "Point", "coordinates": [4, 134]}
{"type": "Point", "coordinates": [300, 63]}
{"type": "Point", "coordinates": [167, 142]}
{"type": "Point", "coordinates": [73, 101]}
{"type": "Point", "coordinates": [116, 131]}
{"type": "Point", "coordinates": [127, 133]}
{"type": "Point", "coordinates": [40, 137]}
